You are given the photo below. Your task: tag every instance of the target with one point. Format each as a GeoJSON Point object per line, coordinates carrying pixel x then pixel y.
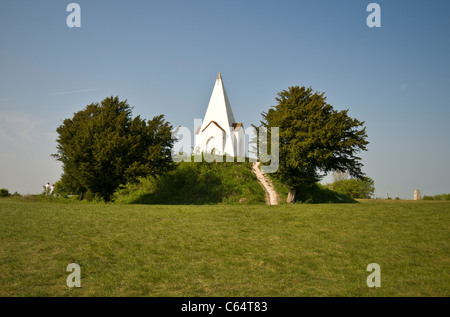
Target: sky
{"type": "Point", "coordinates": [163, 57]}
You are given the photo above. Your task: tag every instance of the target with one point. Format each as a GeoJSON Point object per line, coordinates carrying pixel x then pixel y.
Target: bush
{"type": "Point", "coordinates": [4, 192]}
{"type": "Point", "coordinates": [437, 197]}
{"type": "Point", "coordinates": [313, 194]}
{"type": "Point", "coordinates": [61, 190]}
{"type": "Point", "coordinates": [354, 188]}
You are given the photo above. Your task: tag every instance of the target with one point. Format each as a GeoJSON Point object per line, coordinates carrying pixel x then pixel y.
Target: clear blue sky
{"type": "Point", "coordinates": [164, 56]}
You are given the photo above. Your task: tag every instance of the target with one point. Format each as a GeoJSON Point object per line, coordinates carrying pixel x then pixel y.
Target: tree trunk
{"type": "Point", "coordinates": [291, 196]}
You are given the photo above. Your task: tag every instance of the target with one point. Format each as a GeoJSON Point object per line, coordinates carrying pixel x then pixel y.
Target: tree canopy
{"type": "Point", "coordinates": [314, 137]}
{"type": "Point", "coordinates": [103, 146]}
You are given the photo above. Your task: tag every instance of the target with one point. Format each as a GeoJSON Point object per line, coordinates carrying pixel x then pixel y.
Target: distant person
{"type": "Point", "coordinates": [52, 189]}
{"type": "Point", "coordinates": [47, 189]}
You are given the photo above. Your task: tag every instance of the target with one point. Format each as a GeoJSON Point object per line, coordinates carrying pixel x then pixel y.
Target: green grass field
{"type": "Point", "coordinates": [223, 250]}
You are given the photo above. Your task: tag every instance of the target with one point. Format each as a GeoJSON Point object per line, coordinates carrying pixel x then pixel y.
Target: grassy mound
{"type": "Point", "coordinates": [197, 183]}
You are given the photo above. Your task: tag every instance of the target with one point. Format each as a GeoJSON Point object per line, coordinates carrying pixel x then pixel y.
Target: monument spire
{"type": "Point", "coordinates": [219, 130]}
{"type": "Point", "coordinates": [219, 108]}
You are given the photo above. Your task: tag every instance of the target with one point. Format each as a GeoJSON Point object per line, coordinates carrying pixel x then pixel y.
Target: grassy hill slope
{"type": "Point", "coordinates": [197, 183]}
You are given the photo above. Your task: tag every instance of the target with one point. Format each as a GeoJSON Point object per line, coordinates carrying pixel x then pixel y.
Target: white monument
{"type": "Point", "coordinates": [219, 132]}
{"type": "Point", "coordinates": [417, 195]}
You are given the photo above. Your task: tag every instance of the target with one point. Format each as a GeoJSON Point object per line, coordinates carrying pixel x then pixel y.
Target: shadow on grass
{"type": "Point", "coordinates": [318, 194]}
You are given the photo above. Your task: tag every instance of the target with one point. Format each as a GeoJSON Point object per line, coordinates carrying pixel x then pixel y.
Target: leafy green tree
{"type": "Point", "coordinates": [354, 188]}
{"type": "Point", "coordinates": [4, 192]}
{"type": "Point", "coordinates": [314, 138]}
{"type": "Point", "coordinates": [102, 147]}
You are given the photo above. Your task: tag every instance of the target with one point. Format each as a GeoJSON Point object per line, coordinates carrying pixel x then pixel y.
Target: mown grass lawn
{"type": "Point", "coordinates": [220, 250]}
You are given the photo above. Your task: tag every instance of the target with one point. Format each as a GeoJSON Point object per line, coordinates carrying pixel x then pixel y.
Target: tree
{"type": "Point", "coordinates": [102, 147]}
{"type": "Point", "coordinates": [354, 188]}
{"type": "Point", "coordinates": [314, 138]}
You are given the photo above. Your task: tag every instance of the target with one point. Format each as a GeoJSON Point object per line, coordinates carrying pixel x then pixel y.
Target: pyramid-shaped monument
{"type": "Point", "coordinates": [220, 133]}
